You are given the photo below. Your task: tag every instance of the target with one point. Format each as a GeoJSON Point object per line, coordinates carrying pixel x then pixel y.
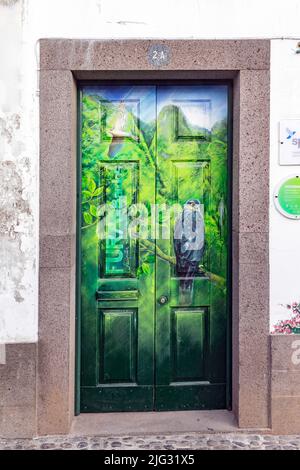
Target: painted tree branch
{"type": "Point", "coordinates": [151, 246]}
{"type": "Point", "coordinates": [155, 249]}
{"type": "Point", "coordinates": [172, 260]}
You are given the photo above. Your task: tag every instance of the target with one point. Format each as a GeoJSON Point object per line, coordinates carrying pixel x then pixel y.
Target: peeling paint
{"type": "Point", "coordinates": [18, 179]}
{"type": "Point", "coordinates": [16, 218]}
{"type": "Point", "coordinates": [12, 267]}
{"type": "Point", "coordinates": [8, 3]}
{"type": "Point", "coordinates": [12, 203]}
{"type": "Point", "coordinates": [8, 126]}
{"type": "Point", "coordinates": [13, 210]}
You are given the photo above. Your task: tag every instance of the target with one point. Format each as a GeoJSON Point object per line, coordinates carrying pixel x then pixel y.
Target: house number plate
{"type": "Point", "coordinates": [159, 55]}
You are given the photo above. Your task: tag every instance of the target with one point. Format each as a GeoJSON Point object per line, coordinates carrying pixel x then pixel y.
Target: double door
{"type": "Point", "coordinates": [154, 247]}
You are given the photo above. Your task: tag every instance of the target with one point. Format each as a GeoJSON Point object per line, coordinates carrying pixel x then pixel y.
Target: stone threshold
{"type": "Point", "coordinates": [133, 423]}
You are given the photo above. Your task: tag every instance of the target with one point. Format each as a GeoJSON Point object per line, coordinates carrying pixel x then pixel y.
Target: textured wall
{"type": "Point", "coordinates": [18, 188]}
{"type": "Point", "coordinates": [18, 391]}
{"type": "Point", "coordinates": [22, 24]}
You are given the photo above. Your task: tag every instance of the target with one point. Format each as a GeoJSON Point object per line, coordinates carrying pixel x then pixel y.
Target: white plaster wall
{"type": "Point", "coordinates": [284, 233]}
{"type": "Point", "coordinates": [18, 189]}
{"type": "Point", "coordinates": [23, 23]}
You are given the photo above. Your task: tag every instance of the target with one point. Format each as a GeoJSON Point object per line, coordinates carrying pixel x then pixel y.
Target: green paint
{"type": "Point", "coordinates": [153, 146]}
{"type": "Point", "coordinates": [289, 196]}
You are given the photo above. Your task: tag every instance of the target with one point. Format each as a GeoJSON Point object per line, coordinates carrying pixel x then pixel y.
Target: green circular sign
{"type": "Point", "coordinates": [287, 197]}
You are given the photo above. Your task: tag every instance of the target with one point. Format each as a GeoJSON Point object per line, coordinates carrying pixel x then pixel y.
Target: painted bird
{"type": "Point", "coordinates": [188, 240]}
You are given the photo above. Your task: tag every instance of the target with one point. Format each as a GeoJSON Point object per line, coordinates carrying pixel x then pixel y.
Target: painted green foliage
{"type": "Point", "coordinates": [148, 146]}
{"type": "Point", "coordinates": [97, 148]}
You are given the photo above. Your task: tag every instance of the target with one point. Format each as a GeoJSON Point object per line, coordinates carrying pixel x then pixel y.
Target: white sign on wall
{"type": "Point", "coordinates": [289, 153]}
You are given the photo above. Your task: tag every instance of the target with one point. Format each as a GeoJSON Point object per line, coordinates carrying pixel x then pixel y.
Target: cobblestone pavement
{"type": "Point", "coordinates": [190, 441]}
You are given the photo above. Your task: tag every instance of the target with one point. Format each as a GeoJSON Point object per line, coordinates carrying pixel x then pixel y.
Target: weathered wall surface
{"type": "Point", "coordinates": [24, 22]}
{"type": "Point", "coordinates": [18, 188]}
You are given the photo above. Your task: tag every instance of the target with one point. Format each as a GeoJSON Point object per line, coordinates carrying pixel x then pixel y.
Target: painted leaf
{"type": "Point", "coordinates": [146, 268]}
{"type": "Point", "coordinates": [139, 271]}
{"type": "Point", "coordinates": [97, 192]}
{"type": "Point", "coordinates": [92, 186]}
{"type": "Point", "coordinates": [86, 195]}
{"type": "Point", "coordinates": [93, 210]}
{"type": "Point", "coordinates": [87, 218]}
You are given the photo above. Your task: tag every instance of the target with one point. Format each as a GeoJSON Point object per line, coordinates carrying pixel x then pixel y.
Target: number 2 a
{"type": "Point", "coordinates": [158, 55]}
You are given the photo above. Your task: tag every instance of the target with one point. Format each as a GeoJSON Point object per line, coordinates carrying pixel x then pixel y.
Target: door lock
{"type": "Point", "coordinates": [163, 300]}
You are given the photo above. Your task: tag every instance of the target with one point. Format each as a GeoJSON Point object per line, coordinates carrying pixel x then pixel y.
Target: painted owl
{"type": "Point", "coordinates": [188, 240]}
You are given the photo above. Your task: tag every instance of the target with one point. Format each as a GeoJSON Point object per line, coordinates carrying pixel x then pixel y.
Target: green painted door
{"type": "Point", "coordinates": [154, 247]}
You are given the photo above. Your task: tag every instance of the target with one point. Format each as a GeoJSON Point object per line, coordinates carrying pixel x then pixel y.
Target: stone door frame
{"type": "Point", "coordinates": [62, 63]}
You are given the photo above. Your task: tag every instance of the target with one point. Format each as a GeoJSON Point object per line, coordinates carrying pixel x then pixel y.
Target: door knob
{"type": "Point", "coordinates": [163, 300]}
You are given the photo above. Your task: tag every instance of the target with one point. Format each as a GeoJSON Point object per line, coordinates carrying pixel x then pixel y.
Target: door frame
{"type": "Point", "coordinates": [65, 61]}
{"type": "Point", "coordinates": [145, 82]}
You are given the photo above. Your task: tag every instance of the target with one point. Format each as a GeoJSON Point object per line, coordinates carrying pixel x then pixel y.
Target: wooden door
{"type": "Point", "coordinates": [154, 244]}
{"type": "Point", "coordinates": [191, 261]}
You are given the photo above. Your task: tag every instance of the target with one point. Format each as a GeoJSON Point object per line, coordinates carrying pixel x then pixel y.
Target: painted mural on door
{"type": "Point", "coordinates": [154, 247]}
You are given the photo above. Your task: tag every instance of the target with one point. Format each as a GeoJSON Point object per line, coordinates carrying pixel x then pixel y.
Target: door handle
{"type": "Point", "coordinates": [163, 300]}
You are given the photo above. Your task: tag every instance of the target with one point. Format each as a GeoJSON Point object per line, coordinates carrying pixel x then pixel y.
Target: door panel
{"type": "Point", "coordinates": [118, 346]}
{"type": "Point", "coordinates": [154, 239]}
{"type": "Point", "coordinates": [118, 171]}
{"type": "Point", "coordinates": [192, 325]}
{"type": "Point", "coordinates": [119, 256]}
{"type": "Point", "coordinates": [188, 333]}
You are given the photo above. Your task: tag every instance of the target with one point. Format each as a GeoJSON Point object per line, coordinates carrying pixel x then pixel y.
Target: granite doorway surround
{"type": "Point", "coordinates": [65, 61]}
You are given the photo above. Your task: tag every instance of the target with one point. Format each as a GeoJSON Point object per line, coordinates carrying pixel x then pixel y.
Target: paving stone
{"type": "Point", "coordinates": [82, 445]}
{"type": "Point", "coordinates": [285, 438]}
{"type": "Point", "coordinates": [47, 446]}
{"type": "Point", "coordinates": [240, 444]}
{"type": "Point", "coordinates": [211, 441]}
{"type": "Point", "coordinates": [66, 445]}
{"type": "Point", "coordinates": [295, 443]}
{"type": "Point", "coordinates": [116, 444]}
